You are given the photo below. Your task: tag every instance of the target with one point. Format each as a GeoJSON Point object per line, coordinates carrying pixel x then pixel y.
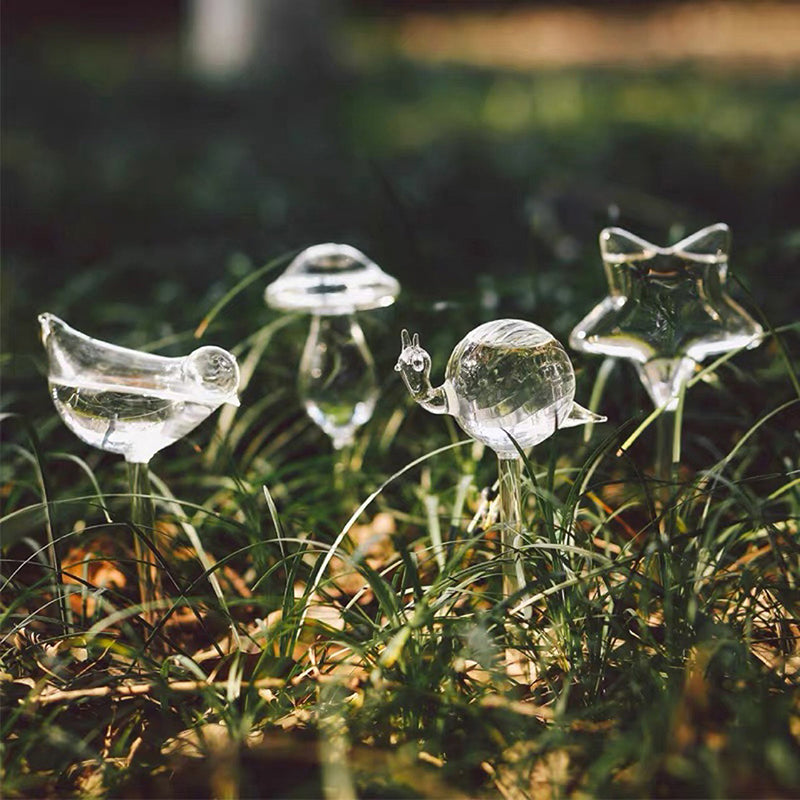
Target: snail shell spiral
{"type": "Point", "coordinates": [510, 378]}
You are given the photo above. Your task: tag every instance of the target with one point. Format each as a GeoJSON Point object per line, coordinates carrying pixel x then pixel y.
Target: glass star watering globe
{"type": "Point", "coordinates": [667, 310]}
{"type": "Point", "coordinates": [336, 381]}
{"type": "Point", "coordinates": [507, 381]}
{"type": "Point", "coordinates": [134, 404]}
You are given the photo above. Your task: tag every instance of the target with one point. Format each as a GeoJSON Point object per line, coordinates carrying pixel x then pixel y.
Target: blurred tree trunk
{"type": "Point", "coordinates": [231, 38]}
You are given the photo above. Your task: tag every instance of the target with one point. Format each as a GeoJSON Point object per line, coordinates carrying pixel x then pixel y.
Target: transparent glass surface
{"type": "Point", "coordinates": [667, 308]}
{"type": "Point", "coordinates": [128, 402]}
{"type": "Point", "coordinates": [332, 279]}
{"type": "Point", "coordinates": [337, 380]}
{"type": "Point", "coordinates": [506, 379]}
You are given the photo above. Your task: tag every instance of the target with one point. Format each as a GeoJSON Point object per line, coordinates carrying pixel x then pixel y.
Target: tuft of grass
{"type": "Point", "coordinates": [663, 640]}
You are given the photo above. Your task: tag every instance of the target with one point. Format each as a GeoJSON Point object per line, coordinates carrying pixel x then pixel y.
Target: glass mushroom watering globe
{"type": "Point", "coordinates": [667, 310]}
{"type": "Point", "coordinates": [506, 382]}
{"type": "Point", "coordinates": [134, 404]}
{"type": "Point", "coordinates": [337, 381]}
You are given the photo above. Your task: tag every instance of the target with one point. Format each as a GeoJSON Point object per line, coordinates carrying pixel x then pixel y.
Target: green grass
{"type": "Point", "coordinates": [318, 642]}
{"type": "Point", "coordinates": [374, 655]}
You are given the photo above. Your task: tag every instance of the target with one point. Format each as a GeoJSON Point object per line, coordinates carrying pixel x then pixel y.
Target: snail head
{"type": "Point", "coordinates": [414, 362]}
{"type": "Point", "coordinates": [215, 371]}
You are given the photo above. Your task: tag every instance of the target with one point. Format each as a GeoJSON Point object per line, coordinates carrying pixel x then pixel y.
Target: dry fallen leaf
{"type": "Point", "coordinates": [95, 561]}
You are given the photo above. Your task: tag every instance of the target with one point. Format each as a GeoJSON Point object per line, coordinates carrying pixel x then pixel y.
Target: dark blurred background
{"type": "Point", "coordinates": [155, 153]}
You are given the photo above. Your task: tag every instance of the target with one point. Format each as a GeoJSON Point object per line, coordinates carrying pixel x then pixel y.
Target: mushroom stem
{"type": "Point", "coordinates": [337, 380]}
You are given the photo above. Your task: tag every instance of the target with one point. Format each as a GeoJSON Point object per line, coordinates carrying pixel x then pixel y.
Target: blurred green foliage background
{"type": "Point", "coordinates": [138, 189]}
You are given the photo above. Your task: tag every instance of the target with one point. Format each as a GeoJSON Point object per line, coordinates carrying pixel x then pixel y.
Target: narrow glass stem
{"type": "Point", "coordinates": [343, 458]}
{"type": "Point", "coordinates": [511, 528]}
{"type": "Point", "coordinates": [518, 665]}
{"type": "Point", "coordinates": [665, 434]}
{"type": "Point", "coordinates": [143, 522]}
{"type": "Point", "coordinates": [346, 477]}
{"type": "Point", "coordinates": [668, 434]}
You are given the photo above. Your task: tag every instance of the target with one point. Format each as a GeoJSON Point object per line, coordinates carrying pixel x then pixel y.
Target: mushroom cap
{"type": "Point", "coordinates": [330, 279]}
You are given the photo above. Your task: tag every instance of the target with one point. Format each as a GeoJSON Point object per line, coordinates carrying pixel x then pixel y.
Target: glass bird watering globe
{"type": "Point", "coordinates": [667, 310]}
{"type": "Point", "coordinates": [506, 381]}
{"type": "Point", "coordinates": [336, 381]}
{"type": "Point", "coordinates": [134, 404]}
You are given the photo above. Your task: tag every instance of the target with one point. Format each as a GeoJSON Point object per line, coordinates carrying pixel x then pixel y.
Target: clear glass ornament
{"type": "Point", "coordinates": [134, 404]}
{"type": "Point", "coordinates": [336, 381]}
{"type": "Point", "coordinates": [667, 309]}
{"type": "Point", "coordinates": [506, 381]}
{"type": "Point", "coordinates": [128, 402]}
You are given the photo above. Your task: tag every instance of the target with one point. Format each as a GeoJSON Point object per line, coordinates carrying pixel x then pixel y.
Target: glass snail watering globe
{"type": "Point", "coordinates": [336, 381]}
{"type": "Point", "coordinates": [506, 381]}
{"type": "Point", "coordinates": [133, 403]}
{"type": "Point", "coordinates": [667, 310]}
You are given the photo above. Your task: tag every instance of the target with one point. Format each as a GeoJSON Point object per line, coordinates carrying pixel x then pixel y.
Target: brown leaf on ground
{"type": "Point", "coordinates": [95, 561]}
{"type": "Point", "coordinates": [371, 543]}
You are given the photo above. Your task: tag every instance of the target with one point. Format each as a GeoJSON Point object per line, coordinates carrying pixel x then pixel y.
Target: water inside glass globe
{"type": "Point", "coordinates": [129, 402]}
{"type": "Point", "coordinates": [337, 380]}
{"type": "Point", "coordinates": [506, 381]}
{"type": "Point", "coordinates": [667, 309]}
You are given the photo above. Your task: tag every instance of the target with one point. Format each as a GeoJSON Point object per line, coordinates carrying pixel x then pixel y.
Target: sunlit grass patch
{"type": "Point", "coordinates": [391, 633]}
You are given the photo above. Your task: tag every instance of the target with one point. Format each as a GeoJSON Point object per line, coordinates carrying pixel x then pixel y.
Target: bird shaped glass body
{"type": "Point", "coordinates": [507, 381]}
{"type": "Point", "coordinates": [128, 402]}
{"type": "Point", "coordinates": [667, 308]}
